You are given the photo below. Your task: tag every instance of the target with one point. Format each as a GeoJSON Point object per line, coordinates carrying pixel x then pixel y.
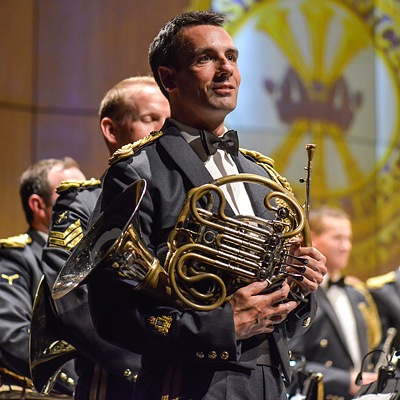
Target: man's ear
{"type": "Point", "coordinates": [37, 205]}
{"type": "Point", "coordinates": [167, 78]}
{"type": "Point", "coordinates": [109, 130]}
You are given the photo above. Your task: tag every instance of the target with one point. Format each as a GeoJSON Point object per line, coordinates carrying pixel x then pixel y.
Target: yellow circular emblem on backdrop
{"type": "Point", "coordinates": [326, 72]}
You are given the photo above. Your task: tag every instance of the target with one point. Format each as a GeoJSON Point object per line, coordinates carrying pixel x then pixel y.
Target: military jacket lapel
{"type": "Point", "coordinates": [360, 321]}
{"type": "Point", "coordinates": [37, 244]}
{"type": "Point", "coordinates": [330, 313]}
{"type": "Point", "coordinates": [188, 161]}
{"type": "Point", "coordinates": [184, 156]}
{"type": "Point", "coordinates": [256, 193]}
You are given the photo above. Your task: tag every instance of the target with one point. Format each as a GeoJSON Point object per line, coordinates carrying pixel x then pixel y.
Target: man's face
{"type": "Point", "coordinates": [206, 83]}
{"type": "Point", "coordinates": [151, 109]}
{"type": "Point", "coordinates": [334, 243]}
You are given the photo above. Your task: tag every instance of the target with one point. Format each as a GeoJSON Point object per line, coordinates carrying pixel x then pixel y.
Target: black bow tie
{"type": "Point", "coordinates": [339, 282]}
{"type": "Point", "coordinates": [228, 142]}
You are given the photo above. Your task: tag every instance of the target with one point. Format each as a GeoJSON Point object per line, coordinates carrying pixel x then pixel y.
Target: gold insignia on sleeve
{"type": "Point", "coordinates": [73, 183]}
{"type": "Point", "coordinates": [161, 324]}
{"type": "Point", "coordinates": [67, 239]}
{"type": "Point", "coordinates": [10, 278]}
{"type": "Point", "coordinates": [19, 241]}
{"type": "Point", "coordinates": [62, 216]}
{"type": "Point", "coordinates": [129, 149]}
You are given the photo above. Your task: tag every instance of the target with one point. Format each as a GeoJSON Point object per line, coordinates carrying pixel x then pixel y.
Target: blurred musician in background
{"type": "Point", "coordinates": [347, 324]}
{"type": "Point", "coordinates": [128, 112]}
{"type": "Point", "coordinates": [21, 269]}
{"type": "Point", "coordinates": [385, 290]}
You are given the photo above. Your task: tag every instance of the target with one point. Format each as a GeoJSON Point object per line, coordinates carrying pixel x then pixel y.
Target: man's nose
{"type": "Point", "coordinates": [225, 67]}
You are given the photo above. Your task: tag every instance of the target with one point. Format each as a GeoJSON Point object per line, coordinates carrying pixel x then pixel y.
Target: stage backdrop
{"type": "Point", "coordinates": [326, 72]}
{"type": "Point", "coordinates": [323, 72]}
{"type": "Point", "coordinates": [57, 60]}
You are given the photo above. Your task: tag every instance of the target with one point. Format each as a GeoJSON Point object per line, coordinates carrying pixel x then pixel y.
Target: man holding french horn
{"type": "Point", "coordinates": [214, 330]}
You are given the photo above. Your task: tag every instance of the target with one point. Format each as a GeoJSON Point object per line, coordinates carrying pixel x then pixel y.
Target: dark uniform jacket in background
{"type": "Point", "coordinates": [197, 346]}
{"type": "Point", "coordinates": [105, 371]}
{"type": "Point", "coordinates": [386, 292]}
{"type": "Point", "coordinates": [324, 346]}
{"type": "Point", "coordinates": [20, 274]}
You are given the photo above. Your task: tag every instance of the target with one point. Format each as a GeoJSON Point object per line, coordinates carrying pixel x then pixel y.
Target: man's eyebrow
{"type": "Point", "coordinates": [202, 50]}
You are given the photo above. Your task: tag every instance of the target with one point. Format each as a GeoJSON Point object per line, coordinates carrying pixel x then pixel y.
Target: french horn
{"type": "Point", "coordinates": [210, 254]}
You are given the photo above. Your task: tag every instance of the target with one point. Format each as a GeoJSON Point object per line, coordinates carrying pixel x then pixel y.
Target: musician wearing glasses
{"type": "Point", "coordinates": [347, 325]}
{"type": "Point", "coordinates": [238, 349]}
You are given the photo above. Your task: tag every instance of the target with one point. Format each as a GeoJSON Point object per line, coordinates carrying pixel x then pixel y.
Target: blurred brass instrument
{"type": "Point", "coordinates": [9, 378]}
{"type": "Point", "coordinates": [48, 351]}
{"type": "Point", "coordinates": [210, 254]}
{"type": "Point", "coordinates": [310, 155]}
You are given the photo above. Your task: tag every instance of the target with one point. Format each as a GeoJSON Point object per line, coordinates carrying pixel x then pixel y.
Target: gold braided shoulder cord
{"type": "Point", "coordinates": [370, 314]}
{"type": "Point", "coordinates": [73, 183]}
{"type": "Point", "coordinates": [18, 241]}
{"type": "Point", "coordinates": [268, 164]}
{"type": "Point", "coordinates": [131, 148]}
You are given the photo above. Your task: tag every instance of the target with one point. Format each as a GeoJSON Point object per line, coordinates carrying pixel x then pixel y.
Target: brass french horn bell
{"type": "Point", "coordinates": [100, 239]}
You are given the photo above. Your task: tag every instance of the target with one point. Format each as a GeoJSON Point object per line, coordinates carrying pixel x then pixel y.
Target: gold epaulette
{"type": "Point", "coordinates": [131, 148]}
{"type": "Point", "coordinates": [268, 164]}
{"type": "Point", "coordinates": [378, 281]}
{"type": "Point", "coordinates": [73, 183]}
{"type": "Point", "coordinates": [369, 312]}
{"type": "Point", "coordinates": [19, 241]}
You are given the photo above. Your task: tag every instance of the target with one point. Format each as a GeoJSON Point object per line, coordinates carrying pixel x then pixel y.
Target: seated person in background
{"type": "Point", "coordinates": [385, 290]}
{"type": "Point", "coordinates": [347, 325]}
{"type": "Point", "coordinates": [128, 112]}
{"type": "Point", "coordinates": [20, 264]}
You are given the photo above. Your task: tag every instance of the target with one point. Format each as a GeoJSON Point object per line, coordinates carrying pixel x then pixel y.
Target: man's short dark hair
{"type": "Point", "coordinates": [35, 180]}
{"type": "Point", "coordinates": [165, 47]}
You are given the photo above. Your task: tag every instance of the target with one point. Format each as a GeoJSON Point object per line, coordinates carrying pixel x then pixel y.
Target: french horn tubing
{"type": "Point", "coordinates": [211, 255]}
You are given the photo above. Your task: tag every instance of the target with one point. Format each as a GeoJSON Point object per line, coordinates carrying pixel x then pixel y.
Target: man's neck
{"type": "Point", "coordinates": [217, 127]}
{"type": "Point", "coordinates": [40, 227]}
{"type": "Point", "coordinates": [334, 275]}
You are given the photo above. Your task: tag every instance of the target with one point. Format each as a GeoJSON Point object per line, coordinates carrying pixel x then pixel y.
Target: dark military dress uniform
{"type": "Point", "coordinates": [20, 274]}
{"type": "Point", "coordinates": [105, 371]}
{"type": "Point", "coordinates": [386, 292]}
{"type": "Point", "coordinates": [324, 345]}
{"type": "Point", "coordinates": [185, 354]}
